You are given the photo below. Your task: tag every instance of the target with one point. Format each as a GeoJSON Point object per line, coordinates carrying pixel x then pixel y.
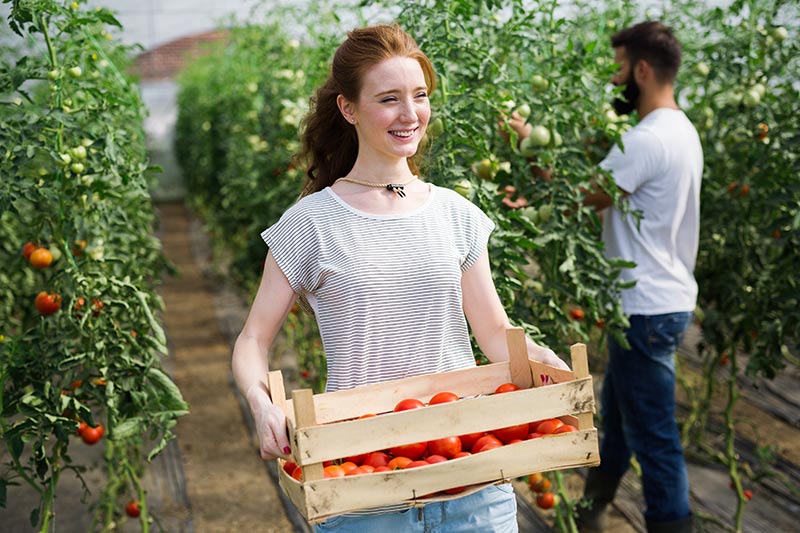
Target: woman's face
{"type": "Point", "coordinates": [393, 109]}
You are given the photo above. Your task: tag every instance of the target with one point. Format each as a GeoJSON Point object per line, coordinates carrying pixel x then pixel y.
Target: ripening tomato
{"type": "Point", "coordinates": [412, 451]}
{"type": "Point", "coordinates": [534, 479]}
{"type": "Point", "coordinates": [415, 464]}
{"type": "Point", "coordinates": [506, 435]}
{"type": "Point", "coordinates": [377, 459]}
{"type": "Point", "coordinates": [365, 469]}
{"type": "Point", "coordinates": [398, 463]}
{"type": "Point", "coordinates": [534, 435]}
{"type": "Point", "coordinates": [547, 427]}
{"type": "Point", "coordinates": [488, 446]}
{"type": "Point", "coordinates": [358, 460]}
{"type": "Point", "coordinates": [335, 471]}
{"type": "Point", "coordinates": [383, 468]}
{"type": "Point", "coordinates": [489, 438]}
{"type": "Point", "coordinates": [546, 500]}
{"type": "Point", "coordinates": [132, 509]}
{"type": "Point", "coordinates": [542, 485]}
{"type": "Point", "coordinates": [408, 403]}
{"type": "Point", "coordinates": [348, 466]}
{"type": "Point", "coordinates": [447, 446]}
{"type": "Point", "coordinates": [461, 454]}
{"type": "Point", "coordinates": [47, 303]}
{"type": "Point", "coordinates": [468, 440]}
{"type": "Point", "coordinates": [298, 473]}
{"type": "Point", "coordinates": [91, 435]}
{"type": "Point", "coordinates": [443, 397]}
{"type": "Point", "coordinates": [40, 258]}
{"type": "Point", "coordinates": [433, 459]}
{"type": "Point", "coordinates": [576, 313]}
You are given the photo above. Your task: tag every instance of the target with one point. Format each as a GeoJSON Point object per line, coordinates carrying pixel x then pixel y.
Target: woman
{"type": "Point", "coordinates": [391, 265]}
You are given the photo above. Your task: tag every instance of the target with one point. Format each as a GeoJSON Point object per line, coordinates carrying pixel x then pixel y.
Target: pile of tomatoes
{"type": "Point", "coordinates": [435, 451]}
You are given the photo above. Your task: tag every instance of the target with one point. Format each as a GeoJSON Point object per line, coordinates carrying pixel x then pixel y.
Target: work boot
{"type": "Point", "coordinates": [599, 490]}
{"type": "Point", "coordinates": [684, 525]}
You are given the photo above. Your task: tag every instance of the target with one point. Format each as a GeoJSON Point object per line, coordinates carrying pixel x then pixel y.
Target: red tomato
{"type": "Point", "coordinates": [377, 459]}
{"type": "Point", "coordinates": [358, 460]}
{"type": "Point", "coordinates": [534, 435]}
{"type": "Point", "coordinates": [485, 440]}
{"type": "Point", "coordinates": [488, 446]}
{"type": "Point", "coordinates": [506, 387]}
{"type": "Point", "coordinates": [455, 490]}
{"type": "Point", "coordinates": [547, 427]}
{"type": "Point", "coordinates": [28, 249]}
{"type": "Point", "coordinates": [415, 464]}
{"type": "Point", "coordinates": [546, 500]}
{"type": "Point", "coordinates": [408, 403]}
{"type": "Point", "coordinates": [47, 304]}
{"type": "Point", "coordinates": [506, 435]}
{"type": "Point", "coordinates": [468, 441]}
{"type": "Point", "coordinates": [515, 441]}
{"type": "Point", "coordinates": [443, 397]}
{"type": "Point", "coordinates": [380, 468]}
{"type": "Point", "coordinates": [576, 313]}
{"type": "Point", "coordinates": [289, 466]}
{"type": "Point", "coordinates": [368, 415]}
{"type": "Point", "coordinates": [566, 428]}
{"type": "Point", "coordinates": [132, 509]}
{"type": "Point", "coordinates": [91, 434]}
{"type": "Point", "coordinates": [461, 454]}
{"type": "Point", "coordinates": [433, 459]}
{"type": "Point", "coordinates": [748, 494]}
{"type": "Point", "coordinates": [298, 473]}
{"type": "Point", "coordinates": [447, 446]}
{"type": "Point", "coordinates": [81, 427]}
{"type": "Point", "coordinates": [365, 469]}
{"type": "Point", "coordinates": [412, 451]}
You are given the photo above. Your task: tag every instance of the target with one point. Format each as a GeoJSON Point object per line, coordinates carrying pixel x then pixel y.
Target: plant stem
{"type": "Point", "coordinates": [730, 450]}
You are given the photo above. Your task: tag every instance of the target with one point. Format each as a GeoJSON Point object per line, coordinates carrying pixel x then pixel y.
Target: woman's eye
{"type": "Point", "coordinates": [389, 99]}
{"type": "Point", "coordinates": [422, 95]}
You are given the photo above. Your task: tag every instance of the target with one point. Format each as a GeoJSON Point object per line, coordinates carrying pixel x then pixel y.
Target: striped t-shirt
{"type": "Point", "coordinates": [385, 289]}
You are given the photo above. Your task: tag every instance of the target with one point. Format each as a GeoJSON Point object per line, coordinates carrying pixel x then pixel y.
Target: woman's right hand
{"type": "Point", "coordinates": [270, 422]}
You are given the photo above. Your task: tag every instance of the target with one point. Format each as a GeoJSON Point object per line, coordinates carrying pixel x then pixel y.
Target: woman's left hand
{"type": "Point", "coordinates": [548, 357]}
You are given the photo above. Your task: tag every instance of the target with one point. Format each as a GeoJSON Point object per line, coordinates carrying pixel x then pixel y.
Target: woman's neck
{"type": "Point", "coordinates": [381, 173]}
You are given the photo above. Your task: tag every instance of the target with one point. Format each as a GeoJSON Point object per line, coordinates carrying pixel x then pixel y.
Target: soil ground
{"type": "Point", "coordinates": [210, 478]}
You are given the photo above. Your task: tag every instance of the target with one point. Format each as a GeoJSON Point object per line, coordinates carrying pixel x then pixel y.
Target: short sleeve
{"type": "Point", "coordinates": [294, 244]}
{"type": "Point", "coordinates": [477, 228]}
{"type": "Point", "coordinates": [640, 161]}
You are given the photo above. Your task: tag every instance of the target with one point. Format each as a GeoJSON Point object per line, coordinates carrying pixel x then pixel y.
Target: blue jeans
{"type": "Point", "coordinates": [491, 510]}
{"type": "Point", "coordinates": [638, 410]}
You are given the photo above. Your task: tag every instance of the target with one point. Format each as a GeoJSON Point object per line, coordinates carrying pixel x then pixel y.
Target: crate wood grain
{"type": "Point", "coordinates": [326, 427]}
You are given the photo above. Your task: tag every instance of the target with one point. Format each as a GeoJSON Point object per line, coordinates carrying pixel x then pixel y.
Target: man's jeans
{"type": "Point", "coordinates": [638, 410]}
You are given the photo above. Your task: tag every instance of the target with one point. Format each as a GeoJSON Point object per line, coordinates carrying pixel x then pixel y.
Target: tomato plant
{"type": "Point", "coordinates": [79, 211]}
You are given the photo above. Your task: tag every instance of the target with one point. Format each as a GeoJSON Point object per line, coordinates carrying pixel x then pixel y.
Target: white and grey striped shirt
{"type": "Point", "coordinates": [385, 289]}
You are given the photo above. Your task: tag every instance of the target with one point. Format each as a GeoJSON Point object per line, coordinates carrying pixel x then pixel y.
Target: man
{"type": "Point", "coordinates": [659, 174]}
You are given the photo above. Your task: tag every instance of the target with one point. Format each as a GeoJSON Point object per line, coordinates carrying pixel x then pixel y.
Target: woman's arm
{"type": "Point", "coordinates": [489, 321]}
{"type": "Point", "coordinates": [249, 362]}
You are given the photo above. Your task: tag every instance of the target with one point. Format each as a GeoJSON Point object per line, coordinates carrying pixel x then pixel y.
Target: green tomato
{"type": "Point", "coordinates": [436, 127]}
{"type": "Point", "coordinates": [751, 98]}
{"type": "Point", "coordinates": [531, 213]}
{"type": "Point", "coordinates": [557, 140]}
{"type": "Point", "coordinates": [78, 153]}
{"type": "Point", "coordinates": [524, 110]}
{"type": "Point", "coordinates": [75, 72]}
{"type": "Point", "coordinates": [534, 285]}
{"type": "Point", "coordinates": [86, 143]}
{"type": "Point", "coordinates": [66, 159]}
{"type": "Point", "coordinates": [483, 169]}
{"type": "Point", "coordinates": [702, 68]}
{"type": "Point", "coordinates": [540, 136]}
{"type": "Point", "coordinates": [779, 34]}
{"type": "Point", "coordinates": [77, 168]}
{"type": "Point", "coordinates": [54, 74]}
{"type": "Point", "coordinates": [463, 187]}
{"type": "Point", "coordinates": [539, 83]}
{"type": "Point", "coordinates": [545, 212]}
{"type": "Point", "coordinates": [760, 89]}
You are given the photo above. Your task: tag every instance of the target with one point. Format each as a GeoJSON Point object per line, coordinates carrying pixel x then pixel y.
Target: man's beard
{"type": "Point", "coordinates": [627, 102]}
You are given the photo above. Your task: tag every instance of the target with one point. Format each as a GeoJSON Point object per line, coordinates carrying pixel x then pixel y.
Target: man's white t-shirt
{"type": "Point", "coordinates": [661, 169]}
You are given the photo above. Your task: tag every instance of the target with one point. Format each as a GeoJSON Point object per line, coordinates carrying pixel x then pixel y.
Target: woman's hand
{"type": "Point", "coordinates": [548, 357]}
{"type": "Point", "coordinates": [270, 423]}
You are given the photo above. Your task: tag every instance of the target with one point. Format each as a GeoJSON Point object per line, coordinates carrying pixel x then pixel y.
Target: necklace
{"type": "Point", "coordinates": [394, 187]}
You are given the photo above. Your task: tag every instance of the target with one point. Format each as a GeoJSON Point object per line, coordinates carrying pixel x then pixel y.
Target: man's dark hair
{"type": "Point", "coordinates": [655, 43]}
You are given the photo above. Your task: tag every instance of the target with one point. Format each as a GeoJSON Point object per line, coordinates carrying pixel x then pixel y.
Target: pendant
{"type": "Point", "coordinates": [398, 188]}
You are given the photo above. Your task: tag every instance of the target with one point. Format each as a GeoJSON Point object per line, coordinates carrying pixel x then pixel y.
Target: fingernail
{"type": "Point", "coordinates": [286, 449]}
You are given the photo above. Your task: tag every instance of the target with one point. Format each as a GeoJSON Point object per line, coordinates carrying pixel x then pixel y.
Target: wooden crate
{"type": "Point", "coordinates": [326, 427]}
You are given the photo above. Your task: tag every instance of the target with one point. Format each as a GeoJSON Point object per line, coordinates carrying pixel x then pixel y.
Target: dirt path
{"type": "Point", "coordinates": [226, 482]}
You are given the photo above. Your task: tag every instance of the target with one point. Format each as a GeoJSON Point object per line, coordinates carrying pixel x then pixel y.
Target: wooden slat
{"type": "Point", "coordinates": [334, 496]}
{"type": "Point", "coordinates": [580, 366]}
{"type": "Point", "coordinates": [333, 441]}
{"type": "Point", "coordinates": [303, 401]}
{"type": "Point", "coordinates": [382, 397]}
{"type": "Point", "coordinates": [518, 358]}
{"type": "Point", "coordinates": [276, 389]}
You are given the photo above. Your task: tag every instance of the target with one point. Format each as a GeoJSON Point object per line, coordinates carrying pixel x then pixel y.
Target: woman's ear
{"type": "Point", "coordinates": [346, 109]}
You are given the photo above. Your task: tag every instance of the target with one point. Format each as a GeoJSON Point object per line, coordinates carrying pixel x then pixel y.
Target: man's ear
{"type": "Point", "coordinates": [642, 71]}
{"type": "Point", "coordinates": [346, 108]}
